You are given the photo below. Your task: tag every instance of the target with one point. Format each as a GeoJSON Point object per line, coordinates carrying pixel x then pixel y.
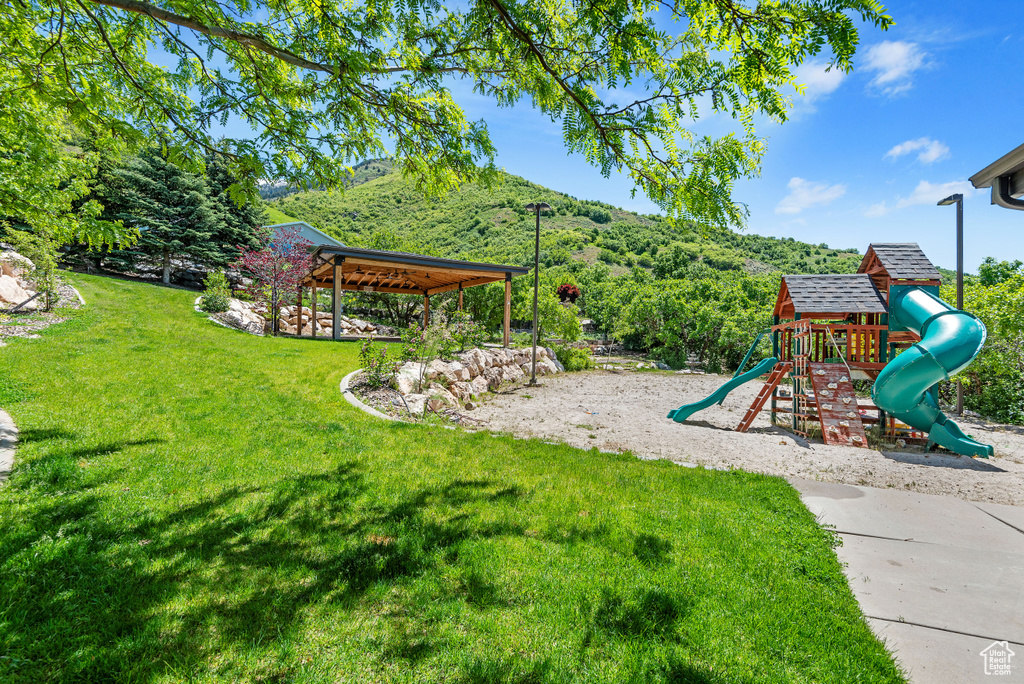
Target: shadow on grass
{"type": "Point", "coordinates": [239, 567]}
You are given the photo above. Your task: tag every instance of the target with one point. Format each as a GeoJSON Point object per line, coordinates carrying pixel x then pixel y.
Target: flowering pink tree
{"type": "Point", "coordinates": [278, 267]}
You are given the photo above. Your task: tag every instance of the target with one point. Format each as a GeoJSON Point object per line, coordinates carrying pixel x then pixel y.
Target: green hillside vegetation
{"type": "Point", "coordinates": [492, 224]}
{"type": "Point", "coordinates": [275, 216]}
{"type": "Point", "coordinates": [361, 173]}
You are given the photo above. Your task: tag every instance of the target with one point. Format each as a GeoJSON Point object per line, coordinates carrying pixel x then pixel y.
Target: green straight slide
{"type": "Point", "coordinates": [950, 339]}
{"type": "Point", "coordinates": [687, 410]}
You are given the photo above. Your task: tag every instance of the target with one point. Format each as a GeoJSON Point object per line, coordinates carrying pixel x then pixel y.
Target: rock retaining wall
{"type": "Point", "coordinates": [464, 380]}
{"type": "Point", "coordinates": [251, 318]}
{"type": "Point", "coordinates": [288, 322]}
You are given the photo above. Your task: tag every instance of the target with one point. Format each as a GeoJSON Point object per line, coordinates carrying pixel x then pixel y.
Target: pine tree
{"type": "Point", "coordinates": [240, 225]}
{"type": "Point", "coordinates": [172, 211]}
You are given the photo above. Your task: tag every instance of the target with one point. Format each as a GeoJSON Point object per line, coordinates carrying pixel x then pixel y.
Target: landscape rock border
{"type": "Point", "coordinates": [8, 441]}
{"type": "Point", "coordinates": [351, 398]}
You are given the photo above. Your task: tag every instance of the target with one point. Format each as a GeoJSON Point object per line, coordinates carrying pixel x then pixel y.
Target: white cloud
{"type": "Point", "coordinates": [894, 63]}
{"type": "Point", "coordinates": [929, 151]}
{"type": "Point", "coordinates": [804, 194]}
{"type": "Point", "coordinates": [818, 80]}
{"type": "Point", "coordinates": [924, 193]}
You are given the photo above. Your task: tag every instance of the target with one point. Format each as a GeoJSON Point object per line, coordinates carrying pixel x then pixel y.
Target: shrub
{"type": "Point", "coordinates": [378, 369]}
{"type": "Point", "coordinates": [413, 340]}
{"type": "Point", "coordinates": [568, 292]}
{"type": "Point", "coordinates": [575, 358]}
{"type": "Point", "coordinates": [217, 293]}
{"type": "Point", "coordinates": [465, 332]}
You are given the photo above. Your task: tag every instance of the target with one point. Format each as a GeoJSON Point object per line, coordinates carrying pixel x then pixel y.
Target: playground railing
{"type": "Point", "coordinates": [860, 346]}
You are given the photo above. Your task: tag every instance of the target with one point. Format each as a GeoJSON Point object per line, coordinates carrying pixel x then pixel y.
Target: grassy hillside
{"type": "Point", "coordinates": [361, 173]}
{"type": "Point", "coordinates": [275, 216]}
{"type": "Point", "coordinates": [492, 224]}
{"type": "Point", "coordinates": [206, 507]}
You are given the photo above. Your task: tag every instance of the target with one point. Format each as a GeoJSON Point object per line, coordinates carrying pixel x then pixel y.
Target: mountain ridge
{"type": "Point", "coordinates": [381, 209]}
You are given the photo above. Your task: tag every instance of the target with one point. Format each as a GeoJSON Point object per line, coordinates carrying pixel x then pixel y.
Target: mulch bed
{"type": "Point", "coordinates": [384, 400]}
{"type": "Point", "coordinates": [28, 323]}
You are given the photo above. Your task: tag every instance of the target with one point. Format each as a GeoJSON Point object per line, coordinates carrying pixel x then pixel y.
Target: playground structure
{"type": "Point", "coordinates": [884, 324]}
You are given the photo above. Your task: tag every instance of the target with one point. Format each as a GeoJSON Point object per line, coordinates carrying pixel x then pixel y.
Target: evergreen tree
{"type": "Point", "coordinates": [172, 211]}
{"type": "Point", "coordinates": [240, 225]}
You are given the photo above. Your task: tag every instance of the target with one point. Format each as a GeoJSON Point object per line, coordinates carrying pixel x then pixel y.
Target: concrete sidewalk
{"type": "Point", "coordinates": [939, 578]}
{"type": "Point", "coordinates": [8, 438]}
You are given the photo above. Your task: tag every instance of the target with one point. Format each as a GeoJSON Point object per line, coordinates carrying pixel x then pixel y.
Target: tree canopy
{"type": "Point", "coordinates": [323, 84]}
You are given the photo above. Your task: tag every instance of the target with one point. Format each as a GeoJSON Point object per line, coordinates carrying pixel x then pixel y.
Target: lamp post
{"type": "Point", "coordinates": [536, 208]}
{"type": "Point", "coordinates": [958, 200]}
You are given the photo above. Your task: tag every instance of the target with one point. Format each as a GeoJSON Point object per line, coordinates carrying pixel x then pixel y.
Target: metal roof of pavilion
{"type": "Point", "coordinates": [375, 270]}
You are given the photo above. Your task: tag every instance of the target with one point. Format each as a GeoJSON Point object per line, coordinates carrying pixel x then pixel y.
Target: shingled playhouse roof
{"type": "Point", "coordinates": [901, 260]}
{"type": "Point", "coordinates": [830, 294]}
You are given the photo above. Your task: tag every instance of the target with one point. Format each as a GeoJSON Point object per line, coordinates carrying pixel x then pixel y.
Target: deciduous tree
{"type": "Point", "coordinates": [278, 267]}
{"type": "Point", "coordinates": [325, 83]}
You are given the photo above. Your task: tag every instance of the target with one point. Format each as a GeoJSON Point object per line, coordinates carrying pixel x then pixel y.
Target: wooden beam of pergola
{"type": "Point", "coordinates": [370, 270]}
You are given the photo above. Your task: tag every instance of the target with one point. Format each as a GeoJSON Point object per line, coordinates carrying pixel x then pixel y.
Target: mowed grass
{"type": "Point", "coordinates": [194, 504]}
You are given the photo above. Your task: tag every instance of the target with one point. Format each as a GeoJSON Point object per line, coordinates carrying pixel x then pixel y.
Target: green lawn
{"type": "Point", "coordinates": [194, 504]}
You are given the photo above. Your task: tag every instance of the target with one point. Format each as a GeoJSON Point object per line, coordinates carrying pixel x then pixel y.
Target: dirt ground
{"type": "Point", "coordinates": [626, 411]}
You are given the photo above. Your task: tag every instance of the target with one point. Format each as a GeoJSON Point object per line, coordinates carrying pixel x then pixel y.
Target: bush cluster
{"type": "Point", "coordinates": [216, 294]}
{"type": "Point", "coordinates": [575, 358]}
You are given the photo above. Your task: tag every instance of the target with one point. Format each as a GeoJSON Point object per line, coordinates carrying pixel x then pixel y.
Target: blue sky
{"type": "Point", "coordinates": [865, 156]}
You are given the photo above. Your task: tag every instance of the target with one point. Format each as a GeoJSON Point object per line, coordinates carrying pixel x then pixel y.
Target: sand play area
{"type": "Point", "coordinates": [626, 411]}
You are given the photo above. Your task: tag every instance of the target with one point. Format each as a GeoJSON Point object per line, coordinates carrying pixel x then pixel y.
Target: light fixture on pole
{"type": "Point", "coordinates": [958, 200]}
{"type": "Point", "coordinates": [536, 208]}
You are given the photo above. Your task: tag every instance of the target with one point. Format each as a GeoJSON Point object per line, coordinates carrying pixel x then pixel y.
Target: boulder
{"type": "Point", "coordinates": [457, 372]}
{"type": "Point", "coordinates": [438, 398]}
{"type": "Point", "coordinates": [417, 403]}
{"type": "Point", "coordinates": [493, 377]}
{"type": "Point", "coordinates": [407, 379]}
{"type": "Point", "coordinates": [437, 367]}
{"type": "Point", "coordinates": [14, 265]}
{"type": "Point", "coordinates": [512, 373]}
{"type": "Point", "coordinates": [461, 390]}
{"type": "Point", "coordinates": [474, 362]}
{"type": "Point", "coordinates": [479, 384]}
{"type": "Point", "coordinates": [12, 293]}
{"type": "Point", "coordinates": [522, 356]}
{"type": "Point", "coordinates": [547, 365]}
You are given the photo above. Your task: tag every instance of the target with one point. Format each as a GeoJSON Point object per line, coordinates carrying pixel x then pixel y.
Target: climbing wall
{"type": "Point", "coordinates": [837, 405]}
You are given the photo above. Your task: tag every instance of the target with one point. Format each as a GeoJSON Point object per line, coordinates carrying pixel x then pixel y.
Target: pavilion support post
{"type": "Point", "coordinates": [312, 297]}
{"type": "Point", "coordinates": [426, 311]}
{"type": "Point", "coordinates": [507, 321]}
{"type": "Point", "coordinates": [298, 323]}
{"type": "Point", "coordinates": [336, 297]}
{"type": "Point", "coordinates": [460, 296]}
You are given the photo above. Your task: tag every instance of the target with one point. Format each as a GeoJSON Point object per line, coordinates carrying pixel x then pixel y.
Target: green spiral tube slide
{"type": "Point", "coordinates": [950, 339]}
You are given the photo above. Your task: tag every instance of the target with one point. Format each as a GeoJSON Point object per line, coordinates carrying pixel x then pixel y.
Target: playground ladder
{"type": "Point", "coordinates": [774, 378]}
{"type": "Point", "coordinates": [838, 410]}
{"type": "Point", "coordinates": [802, 416]}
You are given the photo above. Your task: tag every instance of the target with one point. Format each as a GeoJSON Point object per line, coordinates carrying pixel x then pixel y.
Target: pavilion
{"type": "Point", "coordinates": [372, 270]}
